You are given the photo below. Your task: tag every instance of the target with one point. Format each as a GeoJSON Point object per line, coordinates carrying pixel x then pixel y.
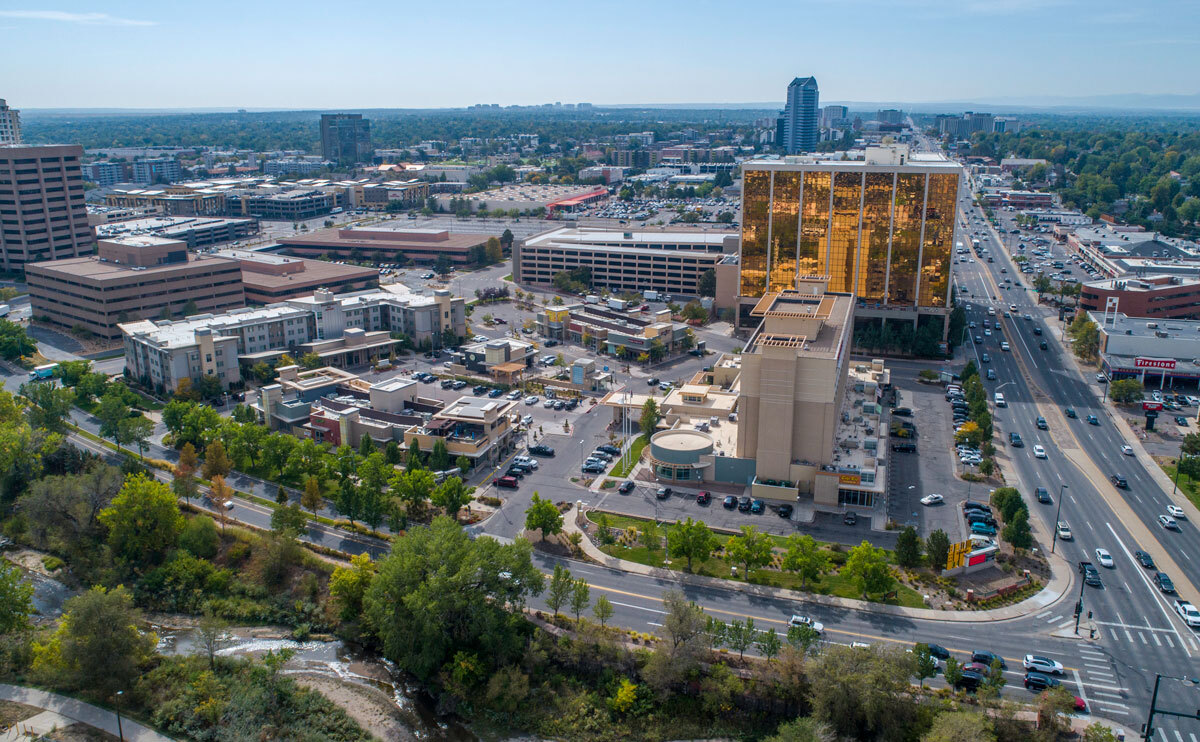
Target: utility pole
{"type": "Point", "coordinates": [1054, 535]}
{"type": "Point", "coordinates": [1148, 727]}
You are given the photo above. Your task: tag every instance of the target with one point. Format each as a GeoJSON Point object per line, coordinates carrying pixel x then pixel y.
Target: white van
{"type": "Point", "coordinates": [991, 311]}
{"type": "Point", "coordinates": [999, 399]}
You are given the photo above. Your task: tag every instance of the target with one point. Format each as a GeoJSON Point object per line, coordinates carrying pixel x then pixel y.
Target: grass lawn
{"type": "Point", "coordinates": [1187, 485]}
{"type": "Point", "coordinates": [635, 455]}
{"type": "Point", "coordinates": [829, 584]}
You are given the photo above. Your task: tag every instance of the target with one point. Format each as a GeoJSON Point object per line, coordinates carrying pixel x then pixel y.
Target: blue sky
{"type": "Point", "coordinates": [369, 54]}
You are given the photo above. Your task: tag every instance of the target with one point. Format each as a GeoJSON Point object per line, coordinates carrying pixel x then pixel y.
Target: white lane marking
{"type": "Point", "coordinates": [1158, 598]}
{"type": "Point", "coordinates": [1143, 638]}
{"type": "Point", "coordinates": [1043, 614]}
{"type": "Point", "coordinates": [1079, 685]}
{"type": "Point", "coordinates": [1178, 736]}
{"type": "Point", "coordinates": [1107, 710]}
{"type": "Point", "coordinates": [639, 607]}
{"type": "Point", "coordinates": [1156, 641]}
{"type": "Point", "coordinates": [1168, 638]}
{"type": "Point", "coordinates": [1128, 636]}
{"type": "Point", "coordinates": [1052, 620]}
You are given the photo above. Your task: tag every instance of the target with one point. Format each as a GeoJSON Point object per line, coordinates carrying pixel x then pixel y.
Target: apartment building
{"type": "Point", "coordinates": [293, 205]}
{"type": "Point", "coordinates": [103, 173]}
{"type": "Point", "coordinates": [131, 278]}
{"type": "Point", "coordinates": [671, 262]}
{"type": "Point", "coordinates": [10, 124]}
{"type": "Point", "coordinates": [157, 170]}
{"type": "Point", "coordinates": [42, 211]}
{"type": "Point", "coordinates": [177, 200]}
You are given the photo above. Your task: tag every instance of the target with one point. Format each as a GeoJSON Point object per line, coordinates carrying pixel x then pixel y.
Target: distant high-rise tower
{"type": "Point", "coordinates": [346, 138]}
{"type": "Point", "coordinates": [800, 120]}
{"type": "Point", "coordinates": [10, 124]}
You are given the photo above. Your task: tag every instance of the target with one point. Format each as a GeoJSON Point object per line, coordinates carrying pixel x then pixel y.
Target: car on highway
{"type": "Point", "coordinates": [1063, 529]}
{"type": "Point", "coordinates": [1039, 681]}
{"type": "Point", "coordinates": [991, 374]}
{"type": "Point", "coordinates": [1045, 665]}
{"type": "Point", "coordinates": [933, 499]}
{"type": "Point", "coordinates": [1104, 558]}
{"type": "Point", "coordinates": [987, 658]}
{"type": "Point", "coordinates": [799, 620]}
{"type": "Point", "coordinates": [1041, 423]}
{"type": "Point", "coordinates": [1188, 613]}
{"type": "Point", "coordinates": [985, 358]}
{"type": "Point", "coordinates": [703, 498]}
{"type": "Point", "coordinates": [1144, 559]}
{"type": "Point", "coordinates": [1043, 496]}
{"type": "Point", "coordinates": [1091, 575]}
{"type": "Point", "coordinates": [1014, 440]}
{"type": "Point", "coordinates": [1004, 346]}
{"type": "Point", "coordinates": [1163, 583]}
{"type": "Point", "coordinates": [1176, 512]}
{"type": "Point", "coordinates": [1093, 420]}
{"type": "Point", "coordinates": [1168, 523]}
{"type": "Point", "coordinates": [1039, 452]}
{"type": "Point", "coordinates": [784, 511]}
{"type": "Point", "coordinates": [730, 502]}
{"type": "Point", "coordinates": [626, 487]}
{"type": "Point", "coordinates": [1119, 481]}
{"type": "Point", "coordinates": [1127, 450]}
{"type": "Point", "coordinates": [1070, 412]}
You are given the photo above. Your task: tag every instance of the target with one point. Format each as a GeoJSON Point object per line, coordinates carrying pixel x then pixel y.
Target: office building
{"type": "Point", "coordinates": [832, 116]}
{"type": "Point", "coordinates": [10, 124]}
{"type": "Point", "coordinates": [300, 165]}
{"type": "Point", "coordinates": [667, 262]}
{"type": "Point", "coordinates": [1019, 199]}
{"type": "Point", "coordinates": [382, 245]}
{"type": "Point", "coordinates": [799, 128]}
{"type": "Point", "coordinates": [268, 278]}
{"type": "Point", "coordinates": [889, 116]}
{"type": "Point", "coordinates": [157, 170]}
{"type": "Point", "coordinates": [1174, 297]}
{"type": "Point", "coordinates": [131, 278]}
{"type": "Point", "coordinates": [290, 206]}
{"type": "Point", "coordinates": [104, 173]}
{"type": "Point", "coordinates": [614, 332]}
{"type": "Point", "coordinates": [196, 231]}
{"type": "Point", "coordinates": [42, 210]}
{"type": "Point", "coordinates": [175, 200]}
{"type": "Point", "coordinates": [344, 331]}
{"type": "Point", "coordinates": [881, 228]}
{"type": "Point", "coordinates": [346, 138]}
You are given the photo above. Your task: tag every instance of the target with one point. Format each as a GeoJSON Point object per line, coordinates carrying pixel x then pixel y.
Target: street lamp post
{"type": "Point", "coordinates": [1057, 512]}
{"type": "Point", "coordinates": [1148, 727]}
{"type": "Point", "coordinates": [120, 731]}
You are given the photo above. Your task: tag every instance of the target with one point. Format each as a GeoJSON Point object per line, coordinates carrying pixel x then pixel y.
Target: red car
{"type": "Point", "coordinates": [506, 481]}
{"type": "Point", "coordinates": [703, 498]}
{"type": "Point", "coordinates": [1080, 705]}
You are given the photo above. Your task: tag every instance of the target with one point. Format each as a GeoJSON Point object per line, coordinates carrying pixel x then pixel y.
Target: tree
{"type": "Point", "coordinates": [960, 726]}
{"type": "Point", "coordinates": [602, 610]}
{"type": "Point", "coordinates": [692, 540]}
{"type": "Point", "coordinates": [288, 521]}
{"type": "Point", "coordinates": [311, 500]}
{"type": "Point", "coordinates": [348, 585]}
{"type": "Point", "coordinates": [805, 557]}
{"type": "Point", "coordinates": [1086, 336]}
{"type": "Point", "coordinates": [1097, 732]}
{"type": "Point", "coordinates": [452, 495]}
{"type": "Point", "coordinates": [1052, 705]}
{"type": "Point", "coordinates": [439, 457]}
{"type": "Point", "coordinates": [211, 632]}
{"type": "Point", "coordinates": [707, 285]}
{"type": "Point", "coordinates": [1126, 391]}
{"type": "Point", "coordinates": [750, 548]}
{"type": "Point", "coordinates": [216, 461]}
{"type": "Point", "coordinates": [111, 412]}
{"type": "Point", "coordinates": [802, 637]}
{"type": "Point", "coordinates": [373, 474]}
{"type": "Point", "coordinates": [441, 265]}
{"type": "Point", "coordinates": [908, 548]}
{"type": "Point", "coordinates": [739, 636]}
{"type": "Point", "coordinates": [136, 430]}
{"type": "Point", "coordinates": [1191, 444]}
{"type": "Point", "coordinates": [281, 495]}
{"type": "Point", "coordinates": [684, 628]}
{"type": "Point", "coordinates": [581, 597]}
{"type": "Point", "coordinates": [650, 535]}
{"type": "Point", "coordinates": [868, 567]}
{"type": "Point", "coordinates": [1016, 531]}
{"type": "Point", "coordinates": [16, 600]}
{"type": "Point", "coordinates": [952, 672]}
{"type": "Point", "coordinates": [650, 417]}
{"type": "Point", "coordinates": [803, 730]}
{"type": "Point", "coordinates": [366, 446]}
{"type": "Point", "coordinates": [926, 663]}
{"type": "Point", "coordinates": [559, 591]}
{"type": "Point", "coordinates": [768, 644]}
{"type": "Point", "coordinates": [863, 694]}
{"type": "Point", "coordinates": [48, 406]}
{"type": "Point", "coordinates": [413, 487]}
{"type": "Point", "coordinates": [310, 361]}
{"type": "Point", "coordinates": [937, 546]}
{"type": "Point", "coordinates": [221, 495]}
{"type": "Point", "coordinates": [199, 537]}
{"type": "Point", "coordinates": [543, 516]}
{"type": "Point", "coordinates": [506, 239]}
{"type": "Point", "coordinates": [14, 343]}
{"type": "Point", "coordinates": [143, 522]}
{"type": "Point", "coordinates": [98, 645]}
{"type": "Point", "coordinates": [463, 464]}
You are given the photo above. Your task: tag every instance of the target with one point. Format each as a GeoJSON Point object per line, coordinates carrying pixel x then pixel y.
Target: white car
{"type": "Point", "coordinates": [531, 400]}
{"type": "Point", "coordinates": [988, 333]}
{"type": "Point", "coordinates": [1039, 452]}
{"type": "Point", "coordinates": [1104, 558]}
{"type": "Point", "coordinates": [1127, 450]}
{"type": "Point", "coordinates": [1176, 511]}
{"type": "Point", "coordinates": [1004, 346]}
{"type": "Point", "coordinates": [1064, 531]}
{"type": "Point", "coordinates": [1168, 523]}
{"type": "Point", "coordinates": [526, 461]}
{"type": "Point", "coordinates": [527, 420]}
{"type": "Point", "coordinates": [1038, 663]}
{"type": "Point", "coordinates": [933, 499]}
{"type": "Point", "coordinates": [798, 620]}
{"type": "Point", "coordinates": [1188, 613]}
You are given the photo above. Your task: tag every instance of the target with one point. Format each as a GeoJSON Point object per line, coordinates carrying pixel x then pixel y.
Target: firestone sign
{"type": "Point", "coordinates": [1163, 363]}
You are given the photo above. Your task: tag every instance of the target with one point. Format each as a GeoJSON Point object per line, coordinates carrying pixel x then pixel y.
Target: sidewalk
{"type": "Point", "coordinates": [1054, 591]}
{"type": "Point", "coordinates": [61, 711]}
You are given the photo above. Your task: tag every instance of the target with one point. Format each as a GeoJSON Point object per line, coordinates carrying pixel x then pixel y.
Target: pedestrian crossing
{"type": "Point", "coordinates": [1133, 634]}
{"type": "Point", "coordinates": [1100, 685]}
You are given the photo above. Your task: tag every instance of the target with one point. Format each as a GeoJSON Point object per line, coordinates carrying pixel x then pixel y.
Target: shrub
{"type": "Point", "coordinates": [238, 553]}
{"type": "Point", "coordinates": [52, 563]}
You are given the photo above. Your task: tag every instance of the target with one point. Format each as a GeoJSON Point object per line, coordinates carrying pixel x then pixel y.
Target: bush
{"type": "Point", "coordinates": [200, 537]}
{"type": "Point", "coordinates": [52, 563]}
{"type": "Point", "coordinates": [238, 553]}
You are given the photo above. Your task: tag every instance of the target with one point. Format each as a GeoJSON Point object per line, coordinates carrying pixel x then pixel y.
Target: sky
{"type": "Point", "coordinates": [305, 54]}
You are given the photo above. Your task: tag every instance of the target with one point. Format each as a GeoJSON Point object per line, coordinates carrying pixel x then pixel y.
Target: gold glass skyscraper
{"type": "Point", "coordinates": [881, 228]}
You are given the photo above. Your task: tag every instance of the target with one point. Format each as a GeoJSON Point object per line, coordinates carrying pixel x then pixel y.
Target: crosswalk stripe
{"type": "Point", "coordinates": [1113, 711]}
{"type": "Point", "coordinates": [1128, 635]}
{"type": "Point", "coordinates": [1156, 641]}
{"type": "Point", "coordinates": [1110, 695]}
{"type": "Point", "coordinates": [1053, 620]}
{"type": "Point", "coordinates": [1065, 624]}
{"type": "Point", "coordinates": [1142, 637]}
{"type": "Point", "coordinates": [1043, 614]}
{"type": "Point", "coordinates": [1169, 640]}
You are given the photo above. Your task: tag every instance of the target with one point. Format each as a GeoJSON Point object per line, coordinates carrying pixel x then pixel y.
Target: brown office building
{"type": "Point", "coordinates": [270, 278]}
{"type": "Point", "coordinates": [42, 212]}
{"type": "Point", "coordinates": [129, 279]}
{"type": "Point", "coordinates": [385, 245]}
{"type": "Point", "coordinates": [1169, 297]}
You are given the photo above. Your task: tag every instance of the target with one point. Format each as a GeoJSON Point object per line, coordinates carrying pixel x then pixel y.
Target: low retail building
{"type": "Point", "coordinates": [378, 245]}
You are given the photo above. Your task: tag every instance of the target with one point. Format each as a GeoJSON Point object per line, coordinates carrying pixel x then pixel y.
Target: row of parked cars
{"type": "Point", "coordinates": [597, 461]}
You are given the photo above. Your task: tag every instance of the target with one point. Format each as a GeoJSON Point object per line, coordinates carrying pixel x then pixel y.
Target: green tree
{"type": "Point", "coordinates": [48, 406]}
{"type": "Point", "coordinates": [98, 646]}
{"type": "Point", "coordinates": [802, 638]}
{"type": "Point", "coordinates": [414, 488]}
{"type": "Point", "coordinates": [16, 600]}
{"type": "Point", "coordinates": [310, 361]}
{"type": "Point", "coordinates": [750, 548]}
{"type": "Point", "coordinates": [440, 591]}
{"type": "Point", "coordinates": [960, 726]}
{"type": "Point", "coordinates": [1097, 732]}
{"type": "Point", "coordinates": [602, 610]}
{"type": "Point", "coordinates": [803, 730]}
{"type": "Point", "coordinates": [111, 412]}
{"type": "Point", "coordinates": [937, 546]}
{"type": "Point", "coordinates": [289, 520]}
{"type": "Point", "coordinates": [805, 557]}
{"type": "Point", "coordinates": [768, 644]}
{"type": "Point", "coordinates": [463, 464]}
{"type": "Point", "coordinates": [863, 694]}
{"type": "Point", "coordinates": [651, 536]}
{"type": "Point", "coordinates": [543, 515]}
{"type": "Point", "coordinates": [439, 458]}
{"type": "Point", "coordinates": [692, 540]}
{"type": "Point", "coordinates": [452, 495]}
{"type": "Point", "coordinates": [867, 566]}
{"type": "Point", "coordinates": [199, 537]}
{"type": "Point", "coordinates": [1191, 444]}
{"type": "Point", "coordinates": [1126, 391]}
{"type": "Point", "coordinates": [366, 446]}
{"type": "Point", "coordinates": [739, 636]}
{"type": "Point", "coordinates": [926, 663]}
{"type": "Point", "coordinates": [348, 585]}
{"type": "Point", "coordinates": [373, 475]}
{"type": "Point", "coordinates": [143, 522]}
{"type": "Point", "coordinates": [559, 590]}
{"type": "Point", "coordinates": [707, 285]}
{"type": "Point", "coordinates": [1086, 336]}
{"type": "Point", "coordinates": [908, 548]}
{"type": "Point", "coordinates": [311, 500]}
{"type": "Point", "coordinates": [952, 672]}
{"type": "Point", "coordinates": [650, 417]}
{"type": "Point", "coordinates": [1016, 531]}
{"type": "Point", "coordinates": [135, 430]}
{"type": "Point", "coordinates": [581, 597]}
{"type": "Point", "coordinates": [14, 343]}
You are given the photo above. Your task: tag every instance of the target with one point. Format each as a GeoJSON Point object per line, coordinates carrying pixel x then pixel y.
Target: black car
{"type": "Point", "coordinates": [662, 493]}
{"type": "Point", "coordinates": [850, 519]}
{"type": "Point", "coordinates": [978, 506]}
{"type": "Point", "coordinates": [1091, 575]}
{"type": "Point", "coordinates": [744, 504]}
{"type": "Point", "coordinates": [1041, 423]}
{"type": "Point", "coordinates": [1144, 559]}
{"type": "Point", "coordinates": [1119, 481]}
{"type": "Point", "coordinates": [515, 471]}
{"type": "Point", "coordinates": [522, 467]}
{"type": "Point", "coordinates": [610, 450]}
{"type": "Point", "coordinates": [986, 659]}
{"type": "Point", "coordinates": [1039, 681]}
{"type": "Point", "coordinates": [937, 650]}
{"type": "Point", "coordinates": [1015, 440]}
{"type": "Point", "coordinates": [652, 381]}
{"type": "Point", "coordinates": [1093, 420]}
{"type": "Point", "coordinates": [625, 488]}
{"type": "Point", "coordinates": [785, 511]}
{"type": "Point", "coordinates": [1164, 583]}
{"type": "Point", "coordinates": [478, 389]}
{"type": "Point", "coordinates": [551, 343]}
{"type": "Point", "coordinates": [975, 516]}
{"type": "Point", "coordinates": [1181, 420]}
{"type": "Point", "coordinates": [970, 680]}
{"type": "Point", "coordinates": [901, 412]}
{"type": "Point", "coordinates": [730, 502]}
{"type": "Point", "coordinates": [541, 450]}
{"type": "Point", "coordinates": [1070, 412]}
{"type": "Point", "coordinates": [1043, 495]}
{"type": "Point", "coordinates": [572, 403]}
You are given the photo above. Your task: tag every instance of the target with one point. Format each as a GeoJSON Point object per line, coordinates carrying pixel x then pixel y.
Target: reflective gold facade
{"type": "Point", "coordinates": [756, 206]}
{"type": "Point", "coordinates": [843, 230]}
{"type": "Point", "coordinates": [939, 239]}
{"type": "Point", "coordinates": [882, 232]}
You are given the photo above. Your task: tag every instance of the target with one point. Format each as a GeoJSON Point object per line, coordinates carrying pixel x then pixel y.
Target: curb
{"type": "Point", "coordinates": [1048, 596]}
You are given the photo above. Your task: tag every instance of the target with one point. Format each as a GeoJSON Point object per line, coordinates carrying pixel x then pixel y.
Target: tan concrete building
{"type": "Point", "coordinates": [130, 279]}
{"type": "Point", "coordinates": [382, 245]}
{"type": "Point", "coordinates": [270, 278]}
{"type": "Point", "coordinates": [42, 211]}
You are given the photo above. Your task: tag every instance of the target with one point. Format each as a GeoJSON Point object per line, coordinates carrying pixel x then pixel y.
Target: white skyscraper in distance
{"type": "Point", "coordinates": [10, 124]}
{"type": "Point", "coordinates": [798, 129]}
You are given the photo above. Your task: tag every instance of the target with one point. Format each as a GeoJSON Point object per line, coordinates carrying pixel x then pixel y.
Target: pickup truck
{"type": "Point", "coordinates": [1188, 613]}
{"type": "Point", "coordinates": [1091, 575]}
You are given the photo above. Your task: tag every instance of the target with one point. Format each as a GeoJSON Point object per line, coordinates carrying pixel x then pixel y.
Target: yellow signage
{"type": "Point", "coordinates": [849, 479]}
{"type": "Point", "coordinates": [557, 315]}
{"type": "Point", "coordinates": [957, 555]}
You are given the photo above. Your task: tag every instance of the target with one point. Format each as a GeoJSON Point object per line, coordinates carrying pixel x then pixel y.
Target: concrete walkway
{"type": "Point", "coordinates": [1054, 591]}
{"type": "Point", "coordinates": [62, 711]}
